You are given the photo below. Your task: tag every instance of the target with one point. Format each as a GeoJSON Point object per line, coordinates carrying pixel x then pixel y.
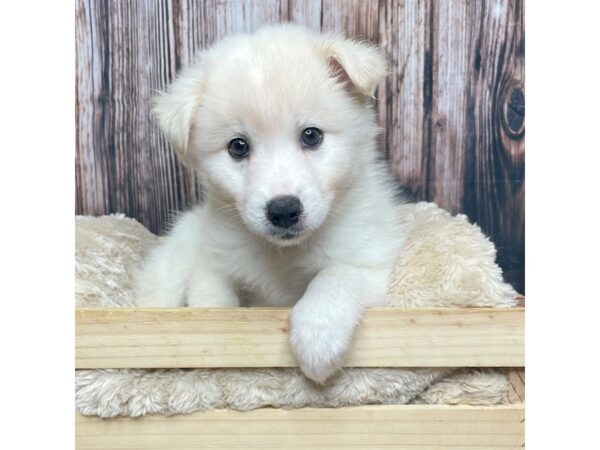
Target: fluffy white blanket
{"type": "Point", "coordinates": [446, 262]}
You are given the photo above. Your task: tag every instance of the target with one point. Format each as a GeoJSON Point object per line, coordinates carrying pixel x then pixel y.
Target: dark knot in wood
{"type": "Point", "coordinates": [513, 111]}
{"type": "Point", "coordinates": [440, 122]}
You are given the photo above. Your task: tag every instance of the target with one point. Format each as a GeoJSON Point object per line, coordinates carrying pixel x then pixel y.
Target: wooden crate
{"type": "Point", "coordinates": [257, 337]}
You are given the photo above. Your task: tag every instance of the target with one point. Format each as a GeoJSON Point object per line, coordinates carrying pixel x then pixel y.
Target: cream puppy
{"type": "Point", "coordinates": [298, 210]}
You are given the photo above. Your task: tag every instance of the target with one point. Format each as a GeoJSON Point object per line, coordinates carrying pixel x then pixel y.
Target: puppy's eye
{"type": "Point", "coordinates": [238, 148]}
{"type": "Point", "coordinates": [311, 137]}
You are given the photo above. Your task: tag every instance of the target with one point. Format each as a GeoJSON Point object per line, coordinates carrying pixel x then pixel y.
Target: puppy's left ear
{"type": "Point", "coordinates": [358, 62]}
{"type": "Point", "coordinates": [175, 108]}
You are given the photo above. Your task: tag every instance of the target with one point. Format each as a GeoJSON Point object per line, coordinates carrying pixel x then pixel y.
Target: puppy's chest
{"type": "Point", "coordinates": [272, 279]}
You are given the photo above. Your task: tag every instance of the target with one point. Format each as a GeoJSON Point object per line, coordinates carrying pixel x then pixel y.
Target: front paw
{"type": "Point", "coordinates": [318, 347]}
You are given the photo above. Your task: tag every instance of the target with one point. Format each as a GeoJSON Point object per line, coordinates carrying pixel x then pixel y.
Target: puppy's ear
{"type": "Point", "coordinates": [175, 108]}
{"type": "Point", "coordinates": [357, 62]}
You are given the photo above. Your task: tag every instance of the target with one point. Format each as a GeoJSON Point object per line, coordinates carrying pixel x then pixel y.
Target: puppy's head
{"type": "Point", "coordinates": [278, 124]}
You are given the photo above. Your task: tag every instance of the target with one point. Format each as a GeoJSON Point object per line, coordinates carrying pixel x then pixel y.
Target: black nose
{"type": "Point", "coordinates": [284, 211]}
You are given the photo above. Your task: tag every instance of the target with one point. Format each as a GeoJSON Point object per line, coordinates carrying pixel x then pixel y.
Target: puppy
{"type": "Point", "coordinates": [298, 209]}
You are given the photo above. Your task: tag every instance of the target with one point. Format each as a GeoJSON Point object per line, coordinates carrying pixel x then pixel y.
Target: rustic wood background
{"type": "Point", "coordinates": [452, 107]}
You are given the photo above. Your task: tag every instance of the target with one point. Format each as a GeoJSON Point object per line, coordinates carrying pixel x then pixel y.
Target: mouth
{"type": "Point", "coordinates": [286, 234]}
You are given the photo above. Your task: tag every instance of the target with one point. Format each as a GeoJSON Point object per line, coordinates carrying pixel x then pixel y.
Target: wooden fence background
{"type": "Point", "coordinates": [452, 106]}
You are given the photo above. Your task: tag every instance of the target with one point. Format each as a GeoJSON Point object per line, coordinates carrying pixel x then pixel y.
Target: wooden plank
{"type": "Point", "coordinates": [404, 96]}
{"type": "Point", "coordinates": [366, 427]}
{"type": "Point", "coordinates": [244, 15]}
{"type": "Point", "coordinates": [355, 18]}
{"type": "Point", "coordinates": [452, 27]}
{"type": "Point", "coordinates": [91, 162]}
{"type": "Point", "coordinates": [257, 337]}
{"type": "Point", "coordinates": [305, 12]}
{"type": "Point", "coordinates": [174, 37]}
{"type": "Point", "coordinates": [516, 388]}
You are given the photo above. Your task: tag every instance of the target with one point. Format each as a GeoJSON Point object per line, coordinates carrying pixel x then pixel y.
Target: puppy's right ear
{"type": "Point", "coordinates": [359, 63]}
{"type": "Point", "coordinates": [175, 108]}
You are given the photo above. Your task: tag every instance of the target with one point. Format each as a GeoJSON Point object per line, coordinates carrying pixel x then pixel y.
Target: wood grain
{"type": "Point", "coordinates": [306, 12]}
{"type": "Point", "coordinates": [404, 98]}
{"type": "Point", "coordinates": [516, 388]}
{"type": "Point", "coordinates": [356, 18]}
{"type": "Point", "coordinates": [445, 108]}
{"type": "Point", "coordinates": [452, 107]}
{"type": "Point", "coordinates": [401, 427]}
{"type": "Point", "coordinates": [494, 180]}
{"type": "Point", "coordinates": [91, 158]}
{"type": "Point", "coordinates": [257, 337]}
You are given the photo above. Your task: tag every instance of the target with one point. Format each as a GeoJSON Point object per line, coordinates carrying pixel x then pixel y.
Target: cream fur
{"type": "Point", "coordinates": [266, 88]}
{"type": "Point", "coordinates": [109, 248]}
{"type": "Point", "coordinates": [107, 251]}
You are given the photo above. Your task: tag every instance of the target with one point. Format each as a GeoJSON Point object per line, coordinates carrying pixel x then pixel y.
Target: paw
{"type": "Point", "coordinates": [317, 360]}
{"type": "Point", "coordinates": [319, 347]}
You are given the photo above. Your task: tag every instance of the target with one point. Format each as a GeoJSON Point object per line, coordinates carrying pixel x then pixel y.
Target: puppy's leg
{"type": "Point", "coordinates": [209, 288]}
{"type": "Point", "coordinates": [170, 280]}
{"type": "Point", "coordinates": [324, 319]}
{"type": "Point", "coordinates": [177, 272]}
{"type": "Point", "coordinates": [162, 281]}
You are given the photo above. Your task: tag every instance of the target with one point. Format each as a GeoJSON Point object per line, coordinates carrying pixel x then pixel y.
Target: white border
{"type": "Point", "coordinates": [37, 227]}
{"type": "Point", "coordinates": [562, 224]}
